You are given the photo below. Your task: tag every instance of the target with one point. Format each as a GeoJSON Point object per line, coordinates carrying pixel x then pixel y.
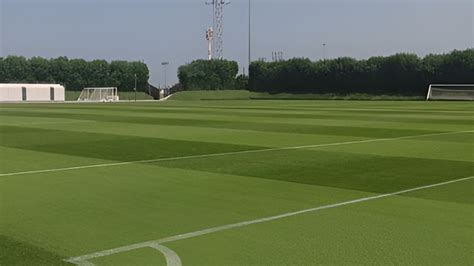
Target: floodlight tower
{"type": "Point", "coordinates": [218, 27]}
{"type": "Point", "coordinates": [209, 38]}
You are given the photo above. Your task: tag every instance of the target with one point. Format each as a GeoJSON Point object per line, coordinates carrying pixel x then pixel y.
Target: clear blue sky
{"type": "Point", "coordinates": [174, 30]}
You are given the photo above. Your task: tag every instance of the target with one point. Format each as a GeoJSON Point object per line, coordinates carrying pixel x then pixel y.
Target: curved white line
{"type": "Point", "coordinates": [172, 259]}
{"type": "Point", "coordinates": [80, 263]}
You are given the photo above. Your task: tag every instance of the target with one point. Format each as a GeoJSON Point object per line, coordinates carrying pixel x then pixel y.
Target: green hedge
{"type": "Point", "coordinates": [75, 74]}
{"type": "Point", "coordinates": [400, 74]}
{"type": "Point", "coordinates": [208, 95]}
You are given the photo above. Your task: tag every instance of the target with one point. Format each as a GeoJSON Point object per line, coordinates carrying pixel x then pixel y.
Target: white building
{"type": "Point", "coordinates": [11, 92]}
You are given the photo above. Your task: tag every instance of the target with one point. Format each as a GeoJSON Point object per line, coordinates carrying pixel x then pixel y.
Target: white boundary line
{"type": "Point", "coordinates": [172, 259]}
{"type": "Point", "coordinates": [226, 153]}
{"type": "Point", "coordinates": [166, 98]}
{"type": "Point", "coordinates": [83, 260]}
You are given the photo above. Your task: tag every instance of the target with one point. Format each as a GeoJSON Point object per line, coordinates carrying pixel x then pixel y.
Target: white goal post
{"type": "Point", "coordinates": [462, 92]}
{"type": "Point", "coordinates": [99, 95]}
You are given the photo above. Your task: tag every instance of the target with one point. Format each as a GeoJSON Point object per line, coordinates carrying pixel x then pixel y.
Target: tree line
{"type": "Point", "coordinates": [400, 74]}
{"type": "Point", "coordinates": [211, 75]}
{"type": "Point", "coordinates": [74, 74]}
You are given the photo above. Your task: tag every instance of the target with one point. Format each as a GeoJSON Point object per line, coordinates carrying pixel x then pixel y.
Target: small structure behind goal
{"type": "Point", "coordinates": [99, 95]}
{"type": "Point", "coordinates": [461, 92]}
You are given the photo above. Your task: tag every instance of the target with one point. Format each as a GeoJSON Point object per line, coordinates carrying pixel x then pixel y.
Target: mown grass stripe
{"type": "Point", "coordinates": [282, 113]}
{"type": "Point", "coordinates": [224, 154]}
{"type": "Point", "coordinates": [260, 126]}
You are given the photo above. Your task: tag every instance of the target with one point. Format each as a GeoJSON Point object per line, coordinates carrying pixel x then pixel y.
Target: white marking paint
{"type": "Point", "coordinates": [166, 98]}
{"type": "Point", "coordinates": [172, 259]}
{"type": "Point", "coordinates": [85, 258]}
{"type": "Point", "coordinates": [226, 153]}
{"type": "Point", "coordinates": [85, 263]}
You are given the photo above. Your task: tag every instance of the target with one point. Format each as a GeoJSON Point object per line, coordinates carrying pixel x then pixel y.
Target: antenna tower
{"type": "Point", "coordinates": [218, 26]}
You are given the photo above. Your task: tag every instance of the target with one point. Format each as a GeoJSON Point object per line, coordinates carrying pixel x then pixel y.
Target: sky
{"type": "Point", "coordinates": [155, 31]}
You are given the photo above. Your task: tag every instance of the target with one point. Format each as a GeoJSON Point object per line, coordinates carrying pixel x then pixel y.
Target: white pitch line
{"type": "Point", "coordinates": [84, 258]}
{"type": "Point", "coordinates": [225, 153]}
{"type": "Point", "coordinates": [172, 259]}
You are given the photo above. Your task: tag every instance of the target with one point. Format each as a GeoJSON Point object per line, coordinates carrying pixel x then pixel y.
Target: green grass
{"type": "Point", "coordinates": [247, 95]}
{"type": "Point", "coordinates": [17, 253]}
{"type": "Point", "coordinates": [211, 95]}
{"type": "Point", "coordinates": [125, 95]}
{"type": "Point", "coordinates": [46, 217]}
{"type": "Point", "coordinates": [330, 96]}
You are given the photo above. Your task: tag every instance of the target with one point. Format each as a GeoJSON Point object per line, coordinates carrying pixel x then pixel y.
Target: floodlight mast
{"type": "Point", "coordinates": [218, 26]}
{"type": "Point", "coordinates": [209, 38]}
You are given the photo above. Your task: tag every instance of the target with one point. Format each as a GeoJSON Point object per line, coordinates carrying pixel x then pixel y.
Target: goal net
{"type": "Point", "coordinates": [463, 92]}
{"type": "Point", "coordinates": [99, 95]}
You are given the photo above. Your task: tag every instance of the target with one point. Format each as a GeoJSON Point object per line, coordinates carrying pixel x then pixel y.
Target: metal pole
{"type": "Point", "coordinates": [250, 47]}
{"type": "Point", "coordinates": [135, 89]}
{"type": "Point", "coordinates": [164, 64]}
{"type": "Point", "coordinates": [324, 51]}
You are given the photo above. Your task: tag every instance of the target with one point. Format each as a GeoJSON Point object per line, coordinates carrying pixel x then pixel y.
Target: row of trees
{"type": "Point", "coordinates": [402, 74]}
{"type": "Point", "coordinates": [211, 75]}
{"type": "Point", "coordinates": [75, 74]}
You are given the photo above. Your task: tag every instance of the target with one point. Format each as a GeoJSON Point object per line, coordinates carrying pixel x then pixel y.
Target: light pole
{"type": "Point", "coordinates": [135, 88]}
{"type": "Point", "coordinates": [164, 64]}
{"type": "Point", "coordinates": [324, 51]}
{"type": "Point", "coordinates": [250, 21]}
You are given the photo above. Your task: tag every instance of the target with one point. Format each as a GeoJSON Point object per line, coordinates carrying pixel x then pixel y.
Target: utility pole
{"type": "Point", "coordinates": [135, 88]}
{"type": "Point", "coordinates": [164, 64]}
{"type": "Point", "coordinates": [324, 51]}
{"type": "Point", "coordinates": [250, 31]}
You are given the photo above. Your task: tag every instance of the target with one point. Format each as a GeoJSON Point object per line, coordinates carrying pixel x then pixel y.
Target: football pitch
{"type": "Point", "coordinates": [237, 183]}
